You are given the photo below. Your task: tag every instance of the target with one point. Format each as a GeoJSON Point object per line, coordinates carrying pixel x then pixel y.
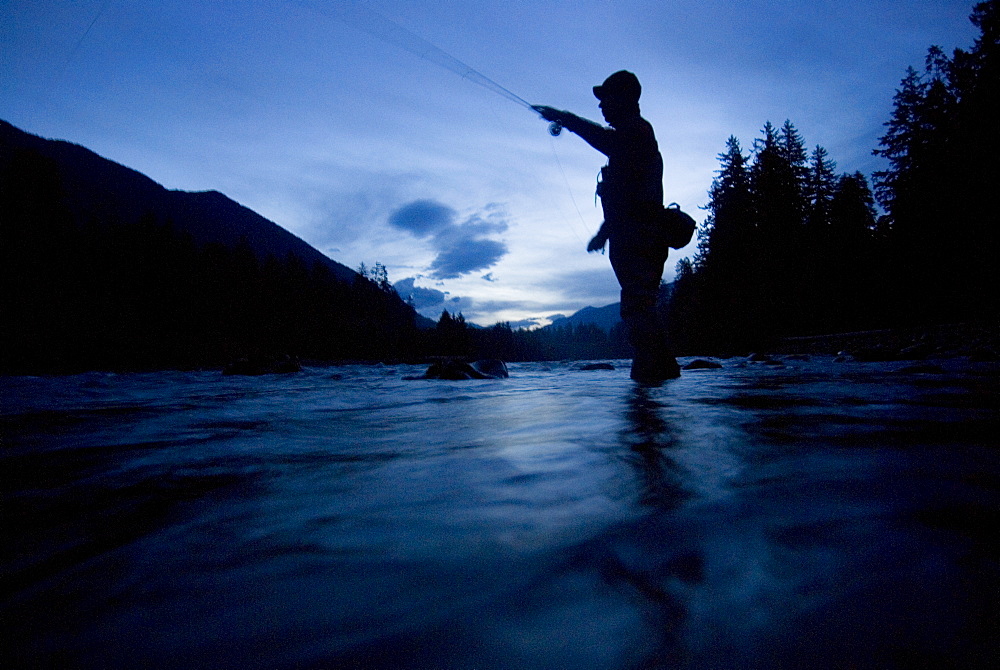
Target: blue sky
{"type": "Point", "coordinates": [371, 153]}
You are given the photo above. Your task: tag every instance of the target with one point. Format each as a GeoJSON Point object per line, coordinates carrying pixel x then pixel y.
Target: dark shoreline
{"type": "Point", "coordinates": [976, 340]}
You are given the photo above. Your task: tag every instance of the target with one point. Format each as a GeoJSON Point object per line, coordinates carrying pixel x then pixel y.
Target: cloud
{"type": "Point", "coordinates": [430, 302]}
{"type": "Point", "coordinates": [422, 298]}
{"type": "Point", "coordinates": [524, 323]}
{"type": "Point", "coordinates": [469, 255]}
{"type": "Point", "coordinates": [423, 217]}
{"type": "Point", "coordinates": [462, 248]}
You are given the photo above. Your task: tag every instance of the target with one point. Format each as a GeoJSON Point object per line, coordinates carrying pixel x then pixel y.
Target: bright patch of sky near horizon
{"type": "Point", "coordinates": [338, 136]}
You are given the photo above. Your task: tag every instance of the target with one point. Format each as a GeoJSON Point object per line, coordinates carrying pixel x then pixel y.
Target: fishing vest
{"type": "Point", "coordinates": [631, 184]}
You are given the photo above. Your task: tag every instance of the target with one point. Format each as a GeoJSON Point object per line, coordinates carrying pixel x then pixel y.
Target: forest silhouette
{"type": "Point", "coordinates": [789, 247]}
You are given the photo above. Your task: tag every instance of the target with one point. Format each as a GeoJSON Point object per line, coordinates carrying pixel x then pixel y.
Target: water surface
{"type": "Point", "coordinates": [815, 514]}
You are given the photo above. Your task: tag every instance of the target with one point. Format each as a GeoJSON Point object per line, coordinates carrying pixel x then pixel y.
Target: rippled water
{"type": "Point", "coordinates": [814, 514]}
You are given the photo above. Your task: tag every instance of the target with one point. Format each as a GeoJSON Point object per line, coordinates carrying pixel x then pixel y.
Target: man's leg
{"type": "Point", "coordinates": [639, 276]}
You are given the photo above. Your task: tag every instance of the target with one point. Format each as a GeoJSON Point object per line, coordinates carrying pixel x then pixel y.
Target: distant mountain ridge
{"type": "Point", "coordinates": [99, 189]}
{"type": "Point", "coordinates": [605, 318]}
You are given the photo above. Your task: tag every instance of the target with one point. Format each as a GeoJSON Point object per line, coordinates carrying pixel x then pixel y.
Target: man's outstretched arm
{"type": "Point", "coordinates": [595, 135]}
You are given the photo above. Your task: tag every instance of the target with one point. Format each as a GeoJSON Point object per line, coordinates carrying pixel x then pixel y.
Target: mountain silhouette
{"type": "Point", "coordinates": [98, 189]}
{"type": "Point", "coordinates": [103, 268]}
{"type": "Point", "coordinates": [605, 318]}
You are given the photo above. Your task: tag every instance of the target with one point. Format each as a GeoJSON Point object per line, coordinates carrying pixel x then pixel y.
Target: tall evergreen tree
{"type": "Point", "coordinates": [975, 75]}
{"type": "Point", "coordinates": [817, 262]}
{"type": "Point", "coordinates": [725, 229]}
{"type": "Point", "coordinates": [937, 190]}
{"type": "Point", "coordinates": [778, 195]}
{"type": "Point", "coordinates": [853, 295]}
{"type": "Point", "coordinates": [793, 150]}
{"type": "Point", "coordinates": [727, 265]}
{"type": "Point", "coordinates": [820, 184]}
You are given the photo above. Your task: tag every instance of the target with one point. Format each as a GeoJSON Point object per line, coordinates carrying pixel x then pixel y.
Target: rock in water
{"type": "Point", "coordinates": [702, 364]}
{"type": "Point", "coordinates": [492, 368]}
{"type": "Point", "coordinates": [489, 368]}
{"type": "Point", "coordinates": [597, 366]}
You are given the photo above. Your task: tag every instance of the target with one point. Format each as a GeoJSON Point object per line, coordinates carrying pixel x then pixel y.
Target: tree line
{"type": "Point", "coordinates": [789, 247]}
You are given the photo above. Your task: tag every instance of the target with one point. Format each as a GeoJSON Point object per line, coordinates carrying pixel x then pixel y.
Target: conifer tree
{"type": "Point", "coordinates": [815, 260]}
{"type": "Point", "coordinates": [820, 184]}
{"type": "Point", "coordinates": [975, 171]}
{"type": "Point", "coordinates": [793, 150]}
{"type": "Point", "coordinates": [725, 229]}
{"type": "Point", "coordinates": [777, 188]}
{"type": "Point", "coordinates": [727, 268]}
{"type": "Point", "coordinates": [854, 295]}
{"type": "Point", "coordinates": [380, 277]}
{"type": "Point", "coordinates": [938, 188]}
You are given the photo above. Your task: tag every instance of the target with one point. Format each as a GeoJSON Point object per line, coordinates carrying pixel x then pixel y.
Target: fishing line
{"type": "Point", "coordinates": [569, 188]}
{"type": "Point", "coordinates": [358, 15]}
{"type": "Point", "coordinates": [79, 43]}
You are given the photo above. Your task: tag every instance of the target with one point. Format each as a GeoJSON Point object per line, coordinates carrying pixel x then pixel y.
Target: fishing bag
{"type": "Point", "coordinates": [675, 227]}
{"type": "Point", "coordinates": [663, 228]}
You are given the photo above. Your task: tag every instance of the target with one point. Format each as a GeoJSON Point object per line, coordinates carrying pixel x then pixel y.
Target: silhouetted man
{"type": "Point", "coordinates": [631, 190]}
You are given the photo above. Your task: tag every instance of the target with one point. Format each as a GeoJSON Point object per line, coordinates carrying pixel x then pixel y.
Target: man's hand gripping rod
{"type": "Point", "coordinates": [549, 114]}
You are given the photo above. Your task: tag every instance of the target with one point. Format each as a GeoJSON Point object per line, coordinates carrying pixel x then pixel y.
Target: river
{"type": "Point", "coordinates": [808, 514]}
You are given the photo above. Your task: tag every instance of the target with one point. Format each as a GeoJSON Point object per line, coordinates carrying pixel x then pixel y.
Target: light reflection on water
{"type": "Point", "coordinates": [815, 515]}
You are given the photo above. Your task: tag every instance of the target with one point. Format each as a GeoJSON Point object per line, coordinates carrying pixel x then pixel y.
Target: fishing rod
{"type": "Point", "coordinates": [359, 15]}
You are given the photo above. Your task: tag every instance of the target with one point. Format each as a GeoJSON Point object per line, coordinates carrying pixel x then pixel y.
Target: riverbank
{"type": "Point", "coordinates": [978, 341]}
